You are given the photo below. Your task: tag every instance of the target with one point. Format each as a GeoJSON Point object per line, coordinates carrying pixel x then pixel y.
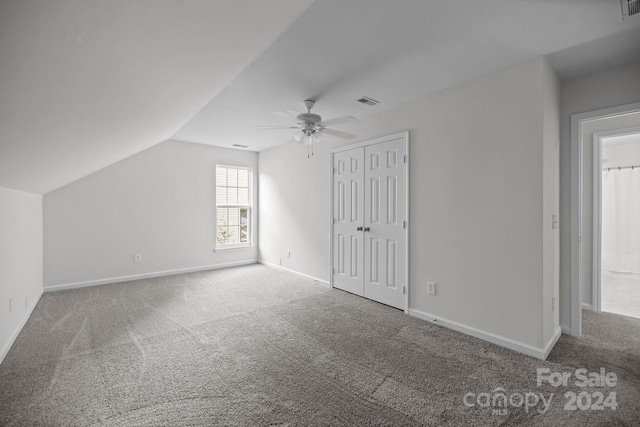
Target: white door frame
{"type": "Point", "coordinates": [577, 166]}
{"type": "Point", "coordinates": [597, 209]}
{"type": "Point", "coordinates": [400, 135]}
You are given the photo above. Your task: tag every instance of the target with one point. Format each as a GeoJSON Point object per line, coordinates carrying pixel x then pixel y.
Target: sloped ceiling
{"type": "Point", "coordinates": [401, 50]}
{"type": "Point", "coordinates": [86, 83]}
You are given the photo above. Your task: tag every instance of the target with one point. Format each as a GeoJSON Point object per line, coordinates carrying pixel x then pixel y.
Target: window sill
{"type": "Point", "coordinates": [231, 248]}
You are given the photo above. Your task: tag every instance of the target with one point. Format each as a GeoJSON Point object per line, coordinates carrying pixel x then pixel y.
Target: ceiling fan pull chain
{"type": "Point", "coordinates": [310, 149]}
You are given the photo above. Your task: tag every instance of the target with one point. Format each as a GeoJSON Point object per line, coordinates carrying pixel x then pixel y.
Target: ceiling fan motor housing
{"type": "Point", "coordinates": [309, 118]}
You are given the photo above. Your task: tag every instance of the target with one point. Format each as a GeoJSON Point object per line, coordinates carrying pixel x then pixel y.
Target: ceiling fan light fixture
{"type": "Point", "coordinates": [299, 136]}
{"type": "Point", "coordinates": [307, 139]}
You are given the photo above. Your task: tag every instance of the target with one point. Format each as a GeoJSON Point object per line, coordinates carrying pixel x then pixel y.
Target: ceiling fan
{"type": "Point", "coordinates": [311, 128]}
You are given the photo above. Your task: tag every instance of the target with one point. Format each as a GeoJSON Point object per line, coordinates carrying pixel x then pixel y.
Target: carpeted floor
{"type": "Point", "coordinates": [251, 346]}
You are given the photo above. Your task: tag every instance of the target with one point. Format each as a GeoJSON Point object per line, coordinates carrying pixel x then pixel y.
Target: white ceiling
{"type": "Point", "coordinates": [86, 83]}
{"type": "Point", "coordinates": [397, 51]}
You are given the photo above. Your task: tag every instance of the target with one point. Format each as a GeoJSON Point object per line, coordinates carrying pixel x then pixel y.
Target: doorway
{"type": "Point", "coordinates": [369, 227]}
{"type": "Point", "coordinates": [584, 272]}
{"type": "Point", "coordinates": [616, 274]}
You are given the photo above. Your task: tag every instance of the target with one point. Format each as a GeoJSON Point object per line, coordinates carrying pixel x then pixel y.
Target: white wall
{"type": "Point", "coordinates": [294, 209]}
{"type": "Point", "coordinates": [476, 200]}
{"type": "Point", "coordinates": [593, 92]}
{"type": "Point", "coordinates": [20, 261]}
{"type": "Point", "coordinates": [159, 203]}
{"type": "Point", "coordinates": [621, 155]}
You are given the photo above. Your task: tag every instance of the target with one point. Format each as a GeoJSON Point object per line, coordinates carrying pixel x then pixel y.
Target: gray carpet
{"type": "Point", "coordinates": [251, 346]}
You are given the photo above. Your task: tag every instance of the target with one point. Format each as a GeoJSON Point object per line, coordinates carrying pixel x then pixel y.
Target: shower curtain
{"type": "Point", "coordinates": [621, 220]}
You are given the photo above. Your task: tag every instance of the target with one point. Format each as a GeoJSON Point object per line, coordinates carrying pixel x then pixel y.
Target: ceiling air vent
{"type": "Point", "coordinates": [240, 146]}
{"type": "Point", "coordinates": [369, 101]}
{"type": "Point", "coordinates": [630, 8]}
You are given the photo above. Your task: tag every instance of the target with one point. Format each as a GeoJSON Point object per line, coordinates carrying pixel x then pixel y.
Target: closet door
{"type": "Point", "coordinates": [385, 212]}
{"type": "Point", "coordinates": [348, 204]}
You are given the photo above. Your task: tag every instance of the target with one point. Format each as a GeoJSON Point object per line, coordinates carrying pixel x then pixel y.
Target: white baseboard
{"type": "Point", "coordinates": [529, 350]}
{"type": "Point", "coordinates": [552, 342]}
{"type": "Point", "coordinates": [586, 306]}
{"type": "Point", "coordinates": [302, 275]}
{"type": "Point", "coordinates": [62, 287]}
{"type": "Point", "coordinates": [566, 330]}
{"type": "Point", "coordinates": [18, 329]}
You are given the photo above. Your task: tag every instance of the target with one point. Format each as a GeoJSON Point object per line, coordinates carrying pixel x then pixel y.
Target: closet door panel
{"type": "Point", "coordinates": [348, 210]}
{"type": "Point", "coordinates": [385, 206]}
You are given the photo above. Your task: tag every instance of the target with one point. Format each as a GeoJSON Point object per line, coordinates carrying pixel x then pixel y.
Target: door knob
{"type": "Point", "coordinates": [366, 229]}
{"type": "Point", "coordinates": [358, 228]}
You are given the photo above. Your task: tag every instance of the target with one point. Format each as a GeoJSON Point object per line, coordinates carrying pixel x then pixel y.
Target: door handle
{"type": "Point", "coordinates": [366, 229]}
{"type": "Point", "coordinates": [358, 228]}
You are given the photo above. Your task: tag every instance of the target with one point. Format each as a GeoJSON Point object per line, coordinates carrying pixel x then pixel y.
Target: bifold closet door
{"type": "Point", "coordinates": [348, 217]}
{"type": "Point", "coordinates": [369, 227]}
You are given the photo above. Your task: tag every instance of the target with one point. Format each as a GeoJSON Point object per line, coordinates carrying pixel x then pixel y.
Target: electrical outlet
{"type": "Point", "coordinates": [137, 257]}
{"type": "Point", "coordinates": [10, 305]}
{"type": "Point", "coordinates": [279, 261]}
{"type": "Point", "coordinates": [288, 253]}
{"type": "Point", "coordinates": [431, 288]}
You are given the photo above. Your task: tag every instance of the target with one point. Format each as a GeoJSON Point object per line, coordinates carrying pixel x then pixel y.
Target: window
{"type": "Point", "coordinates": [233, 206]}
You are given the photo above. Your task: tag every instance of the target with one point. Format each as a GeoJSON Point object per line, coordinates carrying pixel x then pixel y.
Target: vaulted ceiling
{"type": "Point", "coordinates": [86, 83]}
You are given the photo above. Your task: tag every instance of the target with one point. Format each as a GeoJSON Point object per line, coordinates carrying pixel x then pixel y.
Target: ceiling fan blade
{"type": "Point", "coordinates": [337, 133]}
{"type": "Point", "coordinates": [336, 121]}
{"type": "Point", "coordinates": [286, 114]}
{"type": "Point", "coordinates": [274, 127]}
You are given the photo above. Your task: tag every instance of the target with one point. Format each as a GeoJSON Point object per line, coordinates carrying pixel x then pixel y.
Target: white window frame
{"type": "Point", "coordinates": [249, 207]}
